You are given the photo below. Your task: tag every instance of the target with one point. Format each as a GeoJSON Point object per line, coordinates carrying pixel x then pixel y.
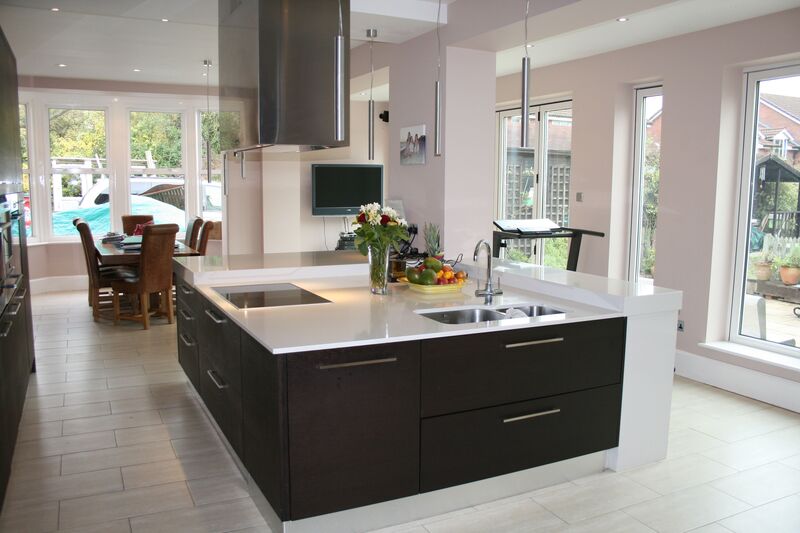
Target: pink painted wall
{"type": "Point", "coordinates": [702, 74]}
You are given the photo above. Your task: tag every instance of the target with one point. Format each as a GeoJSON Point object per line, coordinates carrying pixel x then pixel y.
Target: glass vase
{"type": "Point", "coordinates": [378, 268]}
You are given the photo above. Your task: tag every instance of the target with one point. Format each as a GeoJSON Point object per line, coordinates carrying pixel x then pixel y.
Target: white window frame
{"type": "Point", "coordinates": [540, 161]}
{"type": "Point", "coordinates": [637, 199]}
{"type": "Point", "coordinates": [117, 107]}
{"type": "Point", "coordinates": [749, 139]}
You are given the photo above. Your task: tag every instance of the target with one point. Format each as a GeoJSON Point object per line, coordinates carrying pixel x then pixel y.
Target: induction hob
{"type": "Point", "coordinates": [268, 295]}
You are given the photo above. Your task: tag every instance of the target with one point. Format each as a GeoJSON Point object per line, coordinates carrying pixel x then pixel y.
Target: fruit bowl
{"type": "Point", "coordinates": [434, 277]}
{"type": "Point", "coordinates": [431, 289]}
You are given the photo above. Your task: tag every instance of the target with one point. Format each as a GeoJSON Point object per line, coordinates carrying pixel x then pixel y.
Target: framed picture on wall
{"type": "Point", "coordinates": [412, 145]}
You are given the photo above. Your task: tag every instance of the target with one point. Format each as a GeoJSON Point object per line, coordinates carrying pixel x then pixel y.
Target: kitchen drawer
{"type": "Point", "coordinates": [476, 371]}
{"type": "Point", "coordinates": [188, 356]}
{"type": "Point", "coordinates": [223, 402]}
{"type": "Point", "coordinates": [188, 294]}
{"type": "Point", "coordinates": [479, 444]}
{"type": "Point", "coordinates": [187, 318]}
{"type": "Point", "coordinates": [219, 341]}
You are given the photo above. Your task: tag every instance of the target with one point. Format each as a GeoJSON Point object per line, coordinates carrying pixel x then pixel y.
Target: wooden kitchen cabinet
{"type": "Point", "coordinates": [476, 371]}
{"type": "Point", "coordinates": [188, 351]}
{"type": "Point", "coordinates": [353, 418]}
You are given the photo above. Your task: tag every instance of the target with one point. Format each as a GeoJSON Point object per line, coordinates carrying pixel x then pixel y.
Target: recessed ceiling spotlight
{"type": "Point", "coordinates": [54, 9]}
{"type": "Point", "coordinates": [528, 46]}
{"type": "Point", "coordinates": [622, 19]}
{"type": "Point", "coordinates": [61, 65]}
{"type": "Point", "coordinates": [137, 70]}
{"type": "Point", "coordinates": [116, 99]}
{"type": "Point", "coordinates": [362, 93]}
{"type": "Point", "coordinates": [164, 20]}
{"type": "Point", "coordinates": [205, 73]}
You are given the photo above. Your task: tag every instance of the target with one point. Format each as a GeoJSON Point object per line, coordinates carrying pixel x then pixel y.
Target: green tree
{"type": "Point", "coordinates": [650, 184]}
{"type": "Point", "coordinates": [77, 133]}
{"type": "Point", "coordinates": [160, 134]}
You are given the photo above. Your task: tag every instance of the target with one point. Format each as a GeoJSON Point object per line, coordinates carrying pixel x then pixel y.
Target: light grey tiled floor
{"type": "Point", "coordinates": [113, 441]}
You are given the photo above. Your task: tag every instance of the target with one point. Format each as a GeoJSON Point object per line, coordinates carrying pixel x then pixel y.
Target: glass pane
{"type": "Point", "coordinates": [211, 189]}
{"type": "Point", "coordinates": [156, 143]}
{"type": "Point", "coordinates": [77, 150]}
{"type": "Point", "coordinates": [519, 181]}
{"type": "Point", "coordinates": [559, 166]}
{"type": "Point", "coordinates": [651, 170]}
{"type": "Point", "coordinates": [26, 179]}
{"type": "Point", "coordinates": [772, 292]}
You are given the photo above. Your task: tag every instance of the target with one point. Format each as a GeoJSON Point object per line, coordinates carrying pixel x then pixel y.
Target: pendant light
{"type": "Point", "coordinates": [207, 66]}
{"type": "Point", "coordinates": [371, 34]}
{"type": "Point", "coordinates": [338, 81]}
{"type": "Point", "coordinates": [526, 67]}
{"type": "Point", "coordinates": [437, 103]}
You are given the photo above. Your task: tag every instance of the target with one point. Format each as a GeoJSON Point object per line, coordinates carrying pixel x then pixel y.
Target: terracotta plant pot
{"type": "Point", "coordinates": [790, 275]}
{"type": "Point", "coordinates": [763, 271]}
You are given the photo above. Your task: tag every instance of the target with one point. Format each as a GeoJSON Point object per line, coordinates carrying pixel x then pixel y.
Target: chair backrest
{"type": "Point", "coordinates": [89, 252]}
{"type": "Point", "coordinates": [129, 222]}
{"type": "Point", "coordinates": [205, 234]}
{"type": "Point", "coordinates": [155, 264]}
{"type": "Point", "coordinates": [192, 230]}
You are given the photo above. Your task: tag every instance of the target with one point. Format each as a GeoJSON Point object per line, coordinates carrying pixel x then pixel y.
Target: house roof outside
{"type": "Point", "coordinates": [789, 105]}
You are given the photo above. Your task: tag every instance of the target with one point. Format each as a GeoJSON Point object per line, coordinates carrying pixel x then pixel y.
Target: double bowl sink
{"type": "Point", "coordinates": [473, 315]}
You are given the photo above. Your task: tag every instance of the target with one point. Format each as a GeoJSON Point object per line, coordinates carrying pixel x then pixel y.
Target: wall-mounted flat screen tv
{"type": "Point", "coordinates": [340, 190]}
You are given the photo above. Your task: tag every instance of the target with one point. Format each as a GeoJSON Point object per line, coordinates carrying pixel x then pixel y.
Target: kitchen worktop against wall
{"type": "Point", "coordinates": [288, 224]}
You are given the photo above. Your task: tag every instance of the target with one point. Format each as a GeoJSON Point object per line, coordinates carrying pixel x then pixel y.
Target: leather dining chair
{"type": "Point", "coordinates": [129, 222]}
{"type": "Point", "coordinates": [192, 231]}
{"type": "Point", "coordinates": [99, 277]}
{"type": "Point", "coordinates": [205, 235]}
{"type": "Point", "coordinates": [154, 275]}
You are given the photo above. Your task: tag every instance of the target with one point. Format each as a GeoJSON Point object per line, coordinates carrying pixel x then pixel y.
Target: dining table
{"type": "Point", "coordinates": [110, 254]}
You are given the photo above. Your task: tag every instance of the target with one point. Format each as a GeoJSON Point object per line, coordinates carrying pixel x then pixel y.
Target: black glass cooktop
{"type": "Point", "coordinates": [268, 295]}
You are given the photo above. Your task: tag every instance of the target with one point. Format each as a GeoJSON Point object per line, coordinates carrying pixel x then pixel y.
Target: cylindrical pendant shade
{"type": "Point", "coordinates": [338, 88]}
{"type": "Point", "coordinates": [371, 129]}
{"type": "Point", "coordinates": [526, 66]}
{"type": "Point", "coordinates": [437, 121]}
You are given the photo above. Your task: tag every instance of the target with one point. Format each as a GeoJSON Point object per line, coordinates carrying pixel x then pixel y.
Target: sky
{"type": "Point", "coordinates": [786, 86]}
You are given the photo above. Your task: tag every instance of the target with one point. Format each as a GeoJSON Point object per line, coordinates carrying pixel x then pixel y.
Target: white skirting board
{"type": "Point", "coordinates": [59, 283]}
{"type": "Point", "coordinates": [747, 382]}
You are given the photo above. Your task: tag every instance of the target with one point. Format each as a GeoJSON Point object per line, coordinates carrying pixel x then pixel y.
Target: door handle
{"type": "Point", "coordinates": [187, 342]}
{"type": "Point", "coordinates": [358, 363]}
{"type": "Point", "coordinates": [214, 317]}
{"type": "Point", "coordinates": [184, 290]}
{"type": "Point", "coordinates": [6, 330]}
{"type": "Point", "coordinates": [533, 343]}
{"type": "Point", "coordinates": [219, 383]}
{"type": "Point", "coordinates": [15, 311]}
{"type": "Point", "coordinates": [185, 315]}
{"type": "Point", "coordinates": [532, 415]}
{"type": "Point", "coordinates": [22, 293]}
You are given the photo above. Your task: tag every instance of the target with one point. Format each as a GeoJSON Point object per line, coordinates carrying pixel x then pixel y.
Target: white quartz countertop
{"type": "Point", "coordinates": [354, 317]}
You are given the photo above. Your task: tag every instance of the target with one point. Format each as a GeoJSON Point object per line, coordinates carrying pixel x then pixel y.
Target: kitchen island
{"type": "Point", "coordinates": [358, 411]}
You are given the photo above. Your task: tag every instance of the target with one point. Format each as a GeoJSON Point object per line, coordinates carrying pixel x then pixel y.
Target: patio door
{"type": "Point", "coordinates": [766, 299]}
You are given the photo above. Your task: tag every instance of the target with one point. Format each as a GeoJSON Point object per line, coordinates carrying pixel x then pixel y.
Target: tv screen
{"type": "Point", "coordinates": [340, 190]}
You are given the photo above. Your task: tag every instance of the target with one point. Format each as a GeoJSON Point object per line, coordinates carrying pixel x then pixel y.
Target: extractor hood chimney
{"type": "Point", "coordinates": [284, 74]}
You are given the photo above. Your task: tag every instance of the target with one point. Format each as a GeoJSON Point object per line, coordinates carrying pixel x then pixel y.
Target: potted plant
{"type": "Point", "coordinates": [433, 246]}
{"type": "Point", "coordinates": [790, 266]}
{"type": "Point", "coordinates": [762, 267]}
{"type": "Point", "coordinates": [378, 229]}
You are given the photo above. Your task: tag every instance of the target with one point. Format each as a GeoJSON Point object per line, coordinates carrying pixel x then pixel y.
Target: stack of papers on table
{"type": "Point", "coordinates": [132, 244]}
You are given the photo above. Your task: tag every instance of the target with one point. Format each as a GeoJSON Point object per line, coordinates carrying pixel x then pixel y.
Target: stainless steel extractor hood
{"type": "Point", "coordinates": [284, 79]}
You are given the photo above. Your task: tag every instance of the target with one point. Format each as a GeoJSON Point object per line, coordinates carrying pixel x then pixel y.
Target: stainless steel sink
{"type": "Point", "coordinates": [464, 316]}
{"type": "Point", "coordinates": [533, 310]}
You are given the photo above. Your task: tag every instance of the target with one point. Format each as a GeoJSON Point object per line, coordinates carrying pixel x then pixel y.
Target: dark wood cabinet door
{"type": "Point", "coordinates": [219, 340]}
{"type": "Point", "coordinates": [353, 427]}
{"type": "Point", "coordinates": [477, 371]}
{"type": "Point", "coordinates": [479, 444]}
{"type": "Point", "coordinates": [223, 402]}
{"type": "Point", "coordinates": [187, 344]}
{"type": "Point", "coordinates": [265, 441]}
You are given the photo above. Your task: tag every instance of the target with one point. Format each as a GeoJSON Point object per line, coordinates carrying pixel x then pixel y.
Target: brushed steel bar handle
{"type": "Point", "coordinates": [7, 329]}
{"type": "Point", "coordinates": [532, 415]}
{"type": "Point", "coordinates": [534, 343]}
{"type": "Point", "coordinates": [185, 341]}
{"type": "Point", "coordinates": [213, 375]}
{"type": "Point", "coordinates": [359, 363]}
{"type": "Point", "coordinates": [185, 315]}
{"type": "Point", "coordinates": [214, 317]}
{"type": "Point", "coordinates": [22, 293]}
{"type": "Point", "coordinates": [15, 311]}
{"type": "Point", "coordinates": [184, 290]}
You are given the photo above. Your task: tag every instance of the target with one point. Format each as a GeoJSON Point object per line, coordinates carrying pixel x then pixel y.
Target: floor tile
{"type": "Point", "coordinates": [36, 518]}
{"type": "Point", "coordinates": [686, 509]}
{"type": "Point", "coordinates": [762, 484]}
{"type": "Point", "coordinates": [115, 526]}
{"type": "Point", "coordinates": [61, 487]}
{"type": "Point", "coordinates": [125, 504]}
{"type": "Point", "coordinates": [120, 421]}
{"type": "Point", "coordinates": [752, 424]}
{"type": "Point", "coordinates": [671, 475]}
{"type": "Point", "coordinates": [62, 445]}
{"type": "Point", "coordinates": [187, 468]}
{"type": "Point", "coordinates": [151, 402]}
{"type": "Point", "coordinates": [197, 445]}
{"type": "Point", "coordinates": [43, 402]}
{"type": "Point", "coordinates": [61, 388]}
{"type": "Point", "coordinates": [685, 441]}
{"type": "Point", "coordinates": [77, 398]}
{"type": "Point", "coordinates": [781, 516]}
{"type": "Point", "coordinates": [757, 451]}
{"type": "Point", "coordinates": [521, 515]}
{"type": "Point", "coordinates": [36, 468]}
{"type": "Point", "coordinates": [115, 457]}
{"type": "Point", "coordinates": [49, 414]}
{"type": "Point", "coordinates": [147, 379]}
{"type": "Point", "coordinates": [616, 522]}
{"type": "Point", "coordinates": [579, 502]}
{"type": "Point", "coordinates": [218, 489]}
{"type": "Point", "coordinates": [97, 373]}
{"type": "Point", "coordinates": [215, 518]}
{"type": "Point", "coordinates": [138, 435]}
{"type": "Point", "coordinates": [39, 431]}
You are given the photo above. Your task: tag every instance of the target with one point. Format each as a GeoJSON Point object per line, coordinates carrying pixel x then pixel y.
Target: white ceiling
{"type": "Point", "coordinates": [107, 39]}
{"type": "Point", "coordinates": [667, 20]}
